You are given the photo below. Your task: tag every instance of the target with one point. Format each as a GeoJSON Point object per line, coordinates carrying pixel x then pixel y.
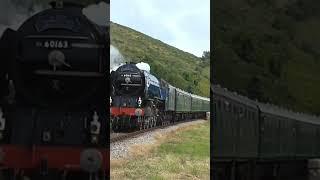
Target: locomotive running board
{"type": "Point", "coordinates": [123, 84]}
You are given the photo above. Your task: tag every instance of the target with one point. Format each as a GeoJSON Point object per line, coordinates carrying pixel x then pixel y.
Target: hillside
{"type": "Point", "coordinates": [269, 50]}
{"type": "Point", "coordinates": [179, 68]}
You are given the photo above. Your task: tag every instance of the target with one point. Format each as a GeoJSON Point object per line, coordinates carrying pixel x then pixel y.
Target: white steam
{"type": "Point", "coordinates": [98, 13]}
{"type": "Point", "coordinates": [116, 58]}
{"type": "Point", "coordinates": [14, 13]}
{"type": "Point", "coordinates": [143, 66]}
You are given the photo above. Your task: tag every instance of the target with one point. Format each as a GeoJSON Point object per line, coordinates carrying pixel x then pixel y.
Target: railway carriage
{"type": "Point", "coordinates": [286, 134]}
{"type": "Point", "coordinates": [183, 104]}
{"type": "Point", "coordinates": [199, 105]}
{"type": "Point", "coordinates": [236, 124]}
{"type": "Point", "coordinates": [247, 132]}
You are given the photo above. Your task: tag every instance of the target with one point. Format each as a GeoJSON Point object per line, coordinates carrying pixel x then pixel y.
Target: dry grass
{"type": "Point", "coordinates": [180, 154]}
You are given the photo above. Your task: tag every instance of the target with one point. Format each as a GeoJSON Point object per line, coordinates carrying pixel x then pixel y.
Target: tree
{"type": "Point", "coordinates": [205, 56]}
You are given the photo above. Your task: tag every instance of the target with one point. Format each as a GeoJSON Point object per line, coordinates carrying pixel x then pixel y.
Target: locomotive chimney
{"type": "Point", "coordinates": [57, 4]}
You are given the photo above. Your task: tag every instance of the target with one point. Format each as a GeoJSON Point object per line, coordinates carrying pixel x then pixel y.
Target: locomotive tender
{"type": "Point", "coordinates": [53, 80]}
{"type": "Point", "coordinates": [247, 131]}
{"type": "Point", "coordinates": [139, 100]}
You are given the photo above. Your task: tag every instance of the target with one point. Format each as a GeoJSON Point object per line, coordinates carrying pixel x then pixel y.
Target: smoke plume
{"type": "Point", "coordinates": [143, 66]}
{"type": "Point", "coordinates": [14, 12]}
{"type": "Point", "coordinates": [116, 58]}
{"type": "Point", "coordinates": [98, 13]}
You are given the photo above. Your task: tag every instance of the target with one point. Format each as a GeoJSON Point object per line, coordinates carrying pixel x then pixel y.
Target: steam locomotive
{"type": "Point", "coordinates": [139, 100]}
{"type": "Point", "coordinates": [52, 83]}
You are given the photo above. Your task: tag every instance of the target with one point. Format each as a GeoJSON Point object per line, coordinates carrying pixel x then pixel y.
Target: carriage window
{"type": "Point", "coordinates": [245, 113]}
{"type": "Point", "coordinates": [219, 104]}
{"type": "Point", "coordinates": [241, 113]}
{"type": "Point", "coordinates": [227, 106]}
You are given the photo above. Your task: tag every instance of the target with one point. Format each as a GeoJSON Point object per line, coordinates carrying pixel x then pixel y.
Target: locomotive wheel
{"type": "Point", "coordinates": [154, 122]}
{"type": "Point", "coordinates": [151, 122]}
{"type": "Point", "coordinates": [115, 124]}
{"type": "Point", "coordinates": [146, 123]}
{"type": "Point", "coordinates": [140, 123]}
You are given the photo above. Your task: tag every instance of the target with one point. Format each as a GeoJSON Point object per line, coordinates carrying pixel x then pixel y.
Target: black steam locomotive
{"type": "Point", "coordinates": [53, 82]}
{"type": "Point", "coordinates": [139, 100]}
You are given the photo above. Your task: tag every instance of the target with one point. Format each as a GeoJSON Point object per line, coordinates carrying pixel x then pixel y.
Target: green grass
{"type": "Point", "coordinates": [179, 68]}
{"type": "Point", "coordinates": [183, 155]}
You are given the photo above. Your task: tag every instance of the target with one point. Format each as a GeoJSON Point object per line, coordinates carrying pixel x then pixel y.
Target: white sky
{"type": "Point", "coordinates": [184, 24]}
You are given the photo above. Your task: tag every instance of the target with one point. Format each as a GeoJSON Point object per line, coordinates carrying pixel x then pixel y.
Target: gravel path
{"type": "Point", "coordinates": [120, 150]}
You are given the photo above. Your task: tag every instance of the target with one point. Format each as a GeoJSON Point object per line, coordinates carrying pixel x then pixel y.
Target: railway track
{"type": "Point", "coordinates": [123, 136]}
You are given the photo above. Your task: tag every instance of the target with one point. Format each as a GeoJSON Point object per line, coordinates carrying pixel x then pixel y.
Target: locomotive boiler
{"type": "Point", "coordinates": [53, 96]}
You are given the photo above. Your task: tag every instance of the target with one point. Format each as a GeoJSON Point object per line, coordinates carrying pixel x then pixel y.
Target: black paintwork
{"type": "Point", "coordinates": [36, 105]}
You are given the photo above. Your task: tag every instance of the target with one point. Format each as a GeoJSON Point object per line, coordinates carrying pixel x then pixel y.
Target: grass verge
{"type": "Point", "coordinates": [182, 154]}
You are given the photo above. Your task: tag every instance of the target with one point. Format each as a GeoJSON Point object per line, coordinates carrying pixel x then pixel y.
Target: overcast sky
{"type": "Point", "coordinates": [184, 24]}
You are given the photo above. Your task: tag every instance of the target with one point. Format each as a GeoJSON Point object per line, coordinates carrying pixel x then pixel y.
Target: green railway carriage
{"type": "Point", "coordinates": [183, 101]}
{"type": "Point", "coordinates": [307, 137]}
{"type": "Point", "coordinates": [276, 130]}
{"type": "Point", "coordinates": [199, 104]}
{"type": "Point", "coordinates": [247, 129]}
{"type": "Point", "coordinates": [235, 123]}
{"type": "Point", "coordinates": [205, 104]}
{"type": "Point", "coordinates": [196, 103]}
{"type": "Point", "coordinates": [285, 134]}
{"type": "Point", "coordinates": [171, 98]}
{"type": "Point", "coordinates": [170, 95]}
{"type": "Point", "coordinates": [180, 101]}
